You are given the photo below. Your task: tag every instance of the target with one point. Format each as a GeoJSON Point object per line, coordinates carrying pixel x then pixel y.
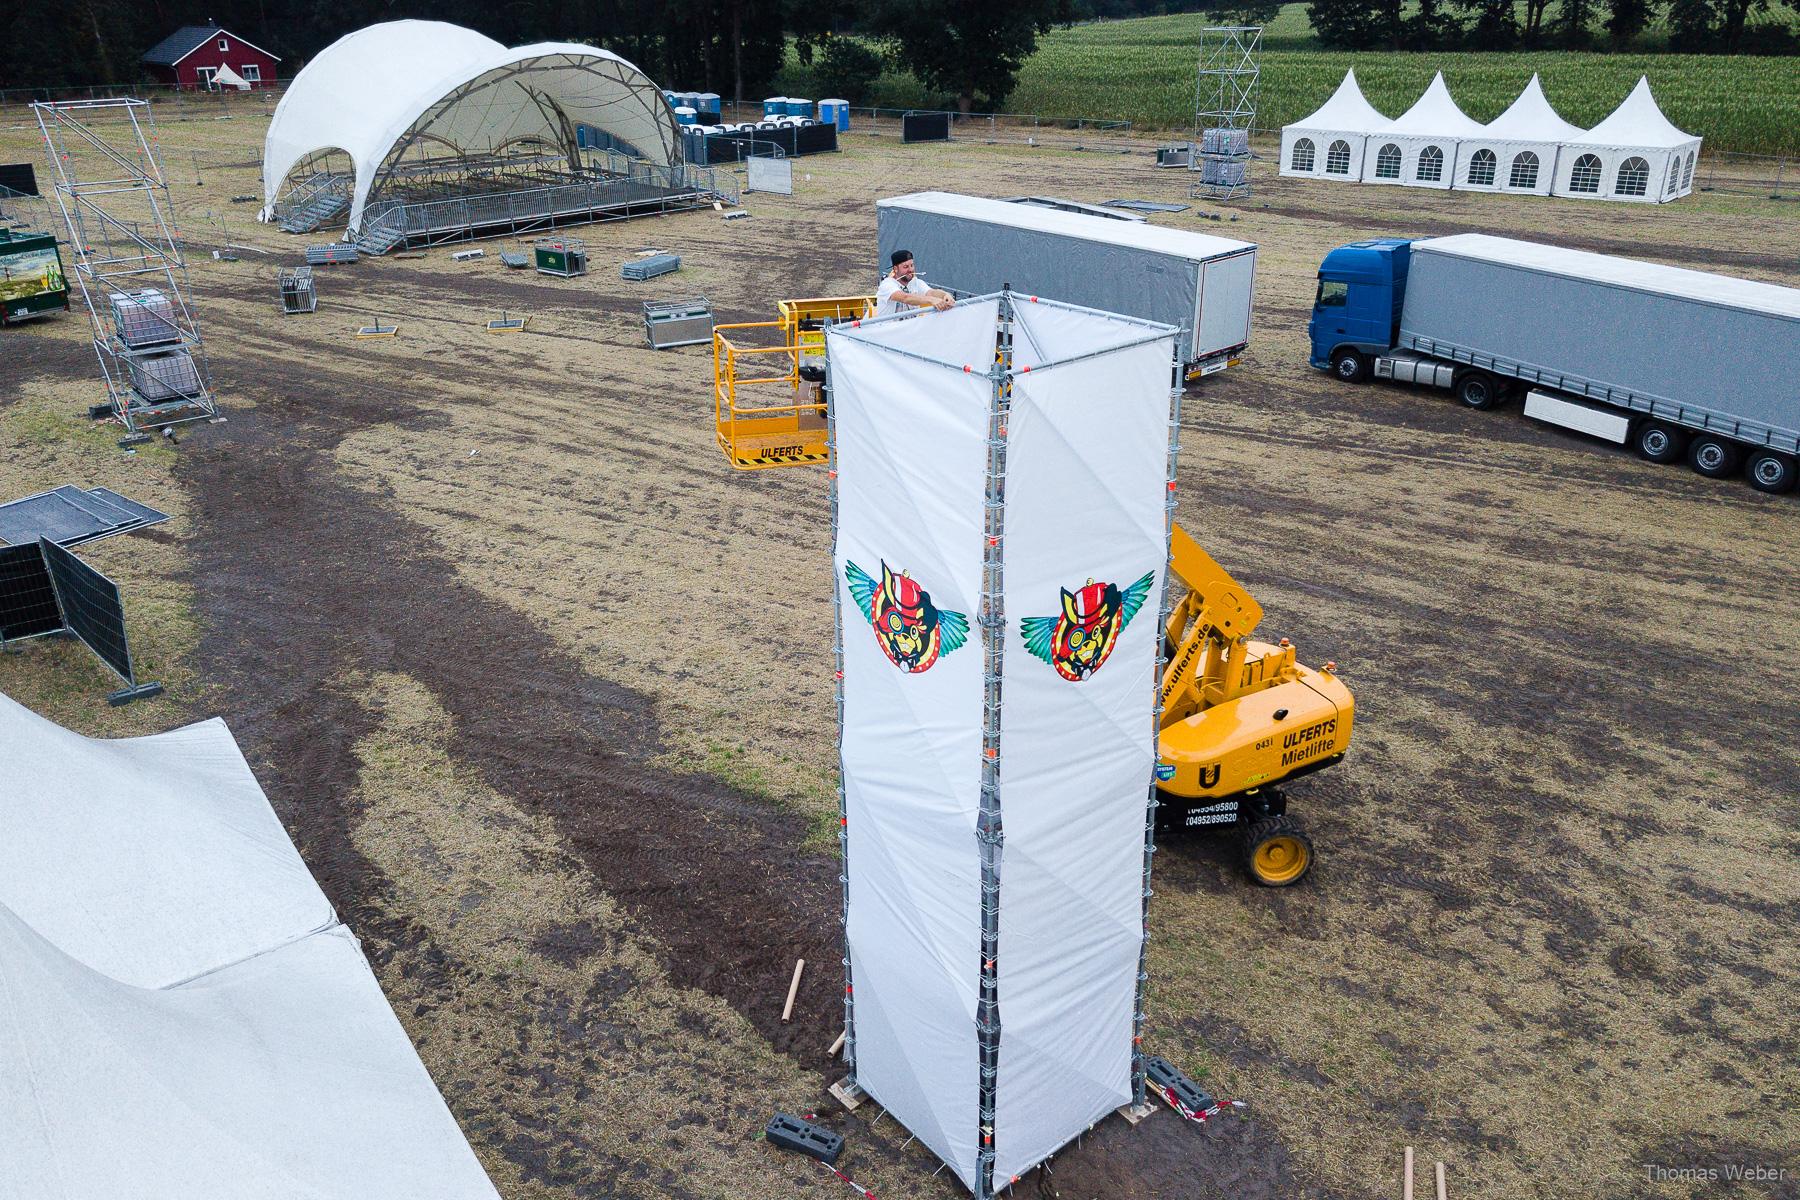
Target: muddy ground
{"type": "Point", "coordinates": [541, 688]}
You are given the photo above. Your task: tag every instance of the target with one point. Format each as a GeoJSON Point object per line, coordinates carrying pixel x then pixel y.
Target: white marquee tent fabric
{"type": "Point", "coordinates": [1636, 154]}
{"type": "Point", "coordinates": [1421, 147]}
{"type": "Point", "coordinates": [1085, 546]}
{"type": "Point", "coordinates": [181, 1014]}
{"type": "Point", "coordinates": [1330, 144]}
{"type": "Point", "coordinates": [377, 93]}
{"type": "Point", "coordinates": [1524, 142]}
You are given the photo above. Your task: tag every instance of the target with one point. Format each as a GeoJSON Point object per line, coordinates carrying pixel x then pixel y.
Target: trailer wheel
{"type": "Point", "coordinates": [1771, 471]}
{"type": "Point", "coordinates": [1478, 389]}
{"type": "Point", "coordinates": [1349, 365]}
{"type": "Point", "coordinates": [1713, 456]}
{"type": "Point", "coordinates": [1658, 442]}
{"type": "Point", "coordinates": [1277, 852]}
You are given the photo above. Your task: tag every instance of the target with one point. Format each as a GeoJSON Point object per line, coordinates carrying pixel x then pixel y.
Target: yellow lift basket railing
{"type": "Point", "coordinates": [766, 415]}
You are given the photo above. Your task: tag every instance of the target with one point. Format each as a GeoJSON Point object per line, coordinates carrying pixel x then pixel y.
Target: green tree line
{"type": "Point", "coordinates": [1694, 26]}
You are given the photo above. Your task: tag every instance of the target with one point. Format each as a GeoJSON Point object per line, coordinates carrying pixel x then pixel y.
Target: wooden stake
{"type": "Point", "coordinates": [835, 1047]}
{"type": "Point", "coordinates": [1440, 1175]}
{"type": "Point", "coordinates": [1406, 1180]}
{"type": "Point", "coordinates": [793, 989]}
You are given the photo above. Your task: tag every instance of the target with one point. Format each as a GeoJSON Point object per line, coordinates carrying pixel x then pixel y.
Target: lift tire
{"type": "Point", "coordinates": [1659, 442]}
{"type": "Point", "coordinates": [1479, 390]}
{"type": "Point", "coordinates": [1350, 366]}
{"type": "Point", "coordinates": [1771, 471]}
{"type": "Point", "coordinates": [1713, 456]}
{"type": "Point", "coordinates": [1277, 852]}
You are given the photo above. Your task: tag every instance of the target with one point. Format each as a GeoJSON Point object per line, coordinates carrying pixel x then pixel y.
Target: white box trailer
{"type": "Point", "coordinates": [972, 246]}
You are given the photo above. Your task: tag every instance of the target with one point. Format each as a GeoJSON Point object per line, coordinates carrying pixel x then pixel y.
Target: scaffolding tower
{"type": "Point", "coordinates": [126, 253]}
{"type": "Point", "coordinates": [1225, 93]}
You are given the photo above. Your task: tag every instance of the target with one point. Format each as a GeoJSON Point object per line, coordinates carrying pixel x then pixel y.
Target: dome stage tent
{"type": "Point", "coordinates": [415, 132]}
{"type": "Point", "coordinates": [1635, 154]}
{"type": "Point", "coordinates": [1330, 143]}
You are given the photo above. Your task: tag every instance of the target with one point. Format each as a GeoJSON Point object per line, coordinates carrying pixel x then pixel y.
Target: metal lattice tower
{"type": "Point", "coordinates": [1225, 93]}
{"type": "Point", "coordinates": [115, 202]}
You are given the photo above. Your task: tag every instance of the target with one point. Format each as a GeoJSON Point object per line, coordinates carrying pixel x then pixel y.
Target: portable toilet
{"type": "Point", "coordinates": [685, 115]}
{"type": "Point", "coordinates": [690, 99]}
{"type": "Point", "coordinates": [711, 108]}
{"type": "Point", "coordinates": [835, 112]}
{"type": "Point", "coordinates": [797, 107]}
{"type": "Point", "coordinates": [670, 99]}
{"type": "Point", "coordinates": [775, 106]}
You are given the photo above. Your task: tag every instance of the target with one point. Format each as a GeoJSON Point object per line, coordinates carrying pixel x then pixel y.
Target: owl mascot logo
{"type": "Point", "coordinates": [912, 631]}
{"type": "Point", "coordinates": [1078, 641]}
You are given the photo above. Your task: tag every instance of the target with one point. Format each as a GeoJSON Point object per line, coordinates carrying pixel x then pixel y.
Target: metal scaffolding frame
{"type": "Point", "coordinates": [1225, 94]}
{"type": "Point", "coordinates": [127, 261]}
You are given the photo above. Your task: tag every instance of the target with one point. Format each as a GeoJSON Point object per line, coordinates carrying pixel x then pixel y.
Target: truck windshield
{"type": "Point", "coordinates": [1333, 294]}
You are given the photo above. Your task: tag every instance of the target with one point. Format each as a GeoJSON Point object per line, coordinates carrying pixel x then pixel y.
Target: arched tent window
{"type": "Point", "coordinates": [1687, 173]}
{"type": "Point", "coordinates": [1524, 170]}
{"type": "Point", "coordinates": [1337, 158]}
{"type": "Point", "coordinates": [1302, 159]}
{"type": "Point", "coordinates": [1387, 162]}
{"type": "Point", "coordinates": [1482, 168]}
{"type": "Point", "coordinates": [1674, 176]}
{"type": "Point", "coordinates": [1584, 176]}
{"type": "Point", "coordinates": [1431, 165]}
{"type": "Point", "coordinates": [1634, 177]}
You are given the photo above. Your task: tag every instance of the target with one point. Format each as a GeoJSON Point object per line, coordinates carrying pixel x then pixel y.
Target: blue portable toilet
{"type": "Point", "coordinates": [711, 108]}
{"type": "Point", "coordinates": [835, 112]}
{"type": "Point", "coordinates": [669, 99]}
{"type": "Point", "coordinates": [796, 107]}
{"type": "Point", "coordinates": [685, 115]}
{"type": "Point", "coordinates": [689, 99]}
{"type": "Point", "coordinates": [775, 106]}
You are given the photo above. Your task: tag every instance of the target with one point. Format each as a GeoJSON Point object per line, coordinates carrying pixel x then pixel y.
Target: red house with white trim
{"type": "Point", "coordinates": [206, 56]}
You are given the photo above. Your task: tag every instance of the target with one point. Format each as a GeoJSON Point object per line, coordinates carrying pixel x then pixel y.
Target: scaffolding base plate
{"type": "Point", "coordinates": [1135, 1113]}
{"type": "Point", "coordinates": [848, 1093]}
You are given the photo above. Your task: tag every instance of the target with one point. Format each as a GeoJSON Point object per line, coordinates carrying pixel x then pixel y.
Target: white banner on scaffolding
{"type": "Point", "coordinates": [1086, 547]}
{"type": "Point", "coordinates": [1083, 551]}
{"type": "Point", "coordinates": [911, 440]}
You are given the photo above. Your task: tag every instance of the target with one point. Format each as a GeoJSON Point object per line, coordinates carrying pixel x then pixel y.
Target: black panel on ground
{"type": "Point", "coordinates": [19, 178]}
{"type": "Point", "coordinates": [69, 516]}
{"type": "Point", "coordinates": [91, 605]}
{"type": "Point", "coordinates": [925, 127]}
{"type": "Point", "coordinates": [27, 596]}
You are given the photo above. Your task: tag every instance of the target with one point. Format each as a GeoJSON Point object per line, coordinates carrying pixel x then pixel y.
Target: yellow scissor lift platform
{"type": "Point", "coordinates": [767, 415]}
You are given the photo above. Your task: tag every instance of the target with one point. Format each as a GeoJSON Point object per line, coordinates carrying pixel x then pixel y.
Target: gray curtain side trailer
{"type": "Point", "coordinates": [1666, 359]}
{"type": "Point", "coordinates": [969, 245]}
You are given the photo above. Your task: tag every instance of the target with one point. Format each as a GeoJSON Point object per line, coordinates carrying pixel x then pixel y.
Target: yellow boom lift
{"type": "Point", "coordinates": [1240, 717]}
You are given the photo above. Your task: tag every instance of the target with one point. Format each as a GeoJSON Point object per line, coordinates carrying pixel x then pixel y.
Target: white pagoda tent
{"type": "Point", "coordinates": [1524, 143]}
{"type": "Point", "coordinates": [1420, 148]}
{"type": "Point", "coordinates": [1636, 154]}
{"type": "Point", "coordinates": [1331, 142]}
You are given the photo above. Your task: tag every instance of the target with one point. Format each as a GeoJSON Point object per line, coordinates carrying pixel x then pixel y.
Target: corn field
{"type": "Point", "coordinates": [1143, 71]}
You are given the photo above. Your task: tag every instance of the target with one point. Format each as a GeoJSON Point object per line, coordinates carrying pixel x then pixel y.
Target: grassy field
{"type": "Point", "coordinates": [542, 689]}
{"type": "Point", "coordinates": [1143, 71]}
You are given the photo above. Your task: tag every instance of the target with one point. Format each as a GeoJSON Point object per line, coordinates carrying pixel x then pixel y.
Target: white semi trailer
{"type": "Point", "coordinates": [1671, 361]}
{"type": "Point", "coordinates": [971, 245]}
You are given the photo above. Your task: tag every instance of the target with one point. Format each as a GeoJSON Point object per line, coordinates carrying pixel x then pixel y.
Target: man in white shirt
{"type": "Point", "coordinates": [903, 289]}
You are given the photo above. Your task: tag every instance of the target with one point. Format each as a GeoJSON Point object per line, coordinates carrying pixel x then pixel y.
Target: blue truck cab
{"type": "Point", "coordinates": [1356, 311]}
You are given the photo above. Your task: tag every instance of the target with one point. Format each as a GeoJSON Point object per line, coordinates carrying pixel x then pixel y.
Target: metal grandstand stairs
{"type": "Point", "coordinates": [382, 233]}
